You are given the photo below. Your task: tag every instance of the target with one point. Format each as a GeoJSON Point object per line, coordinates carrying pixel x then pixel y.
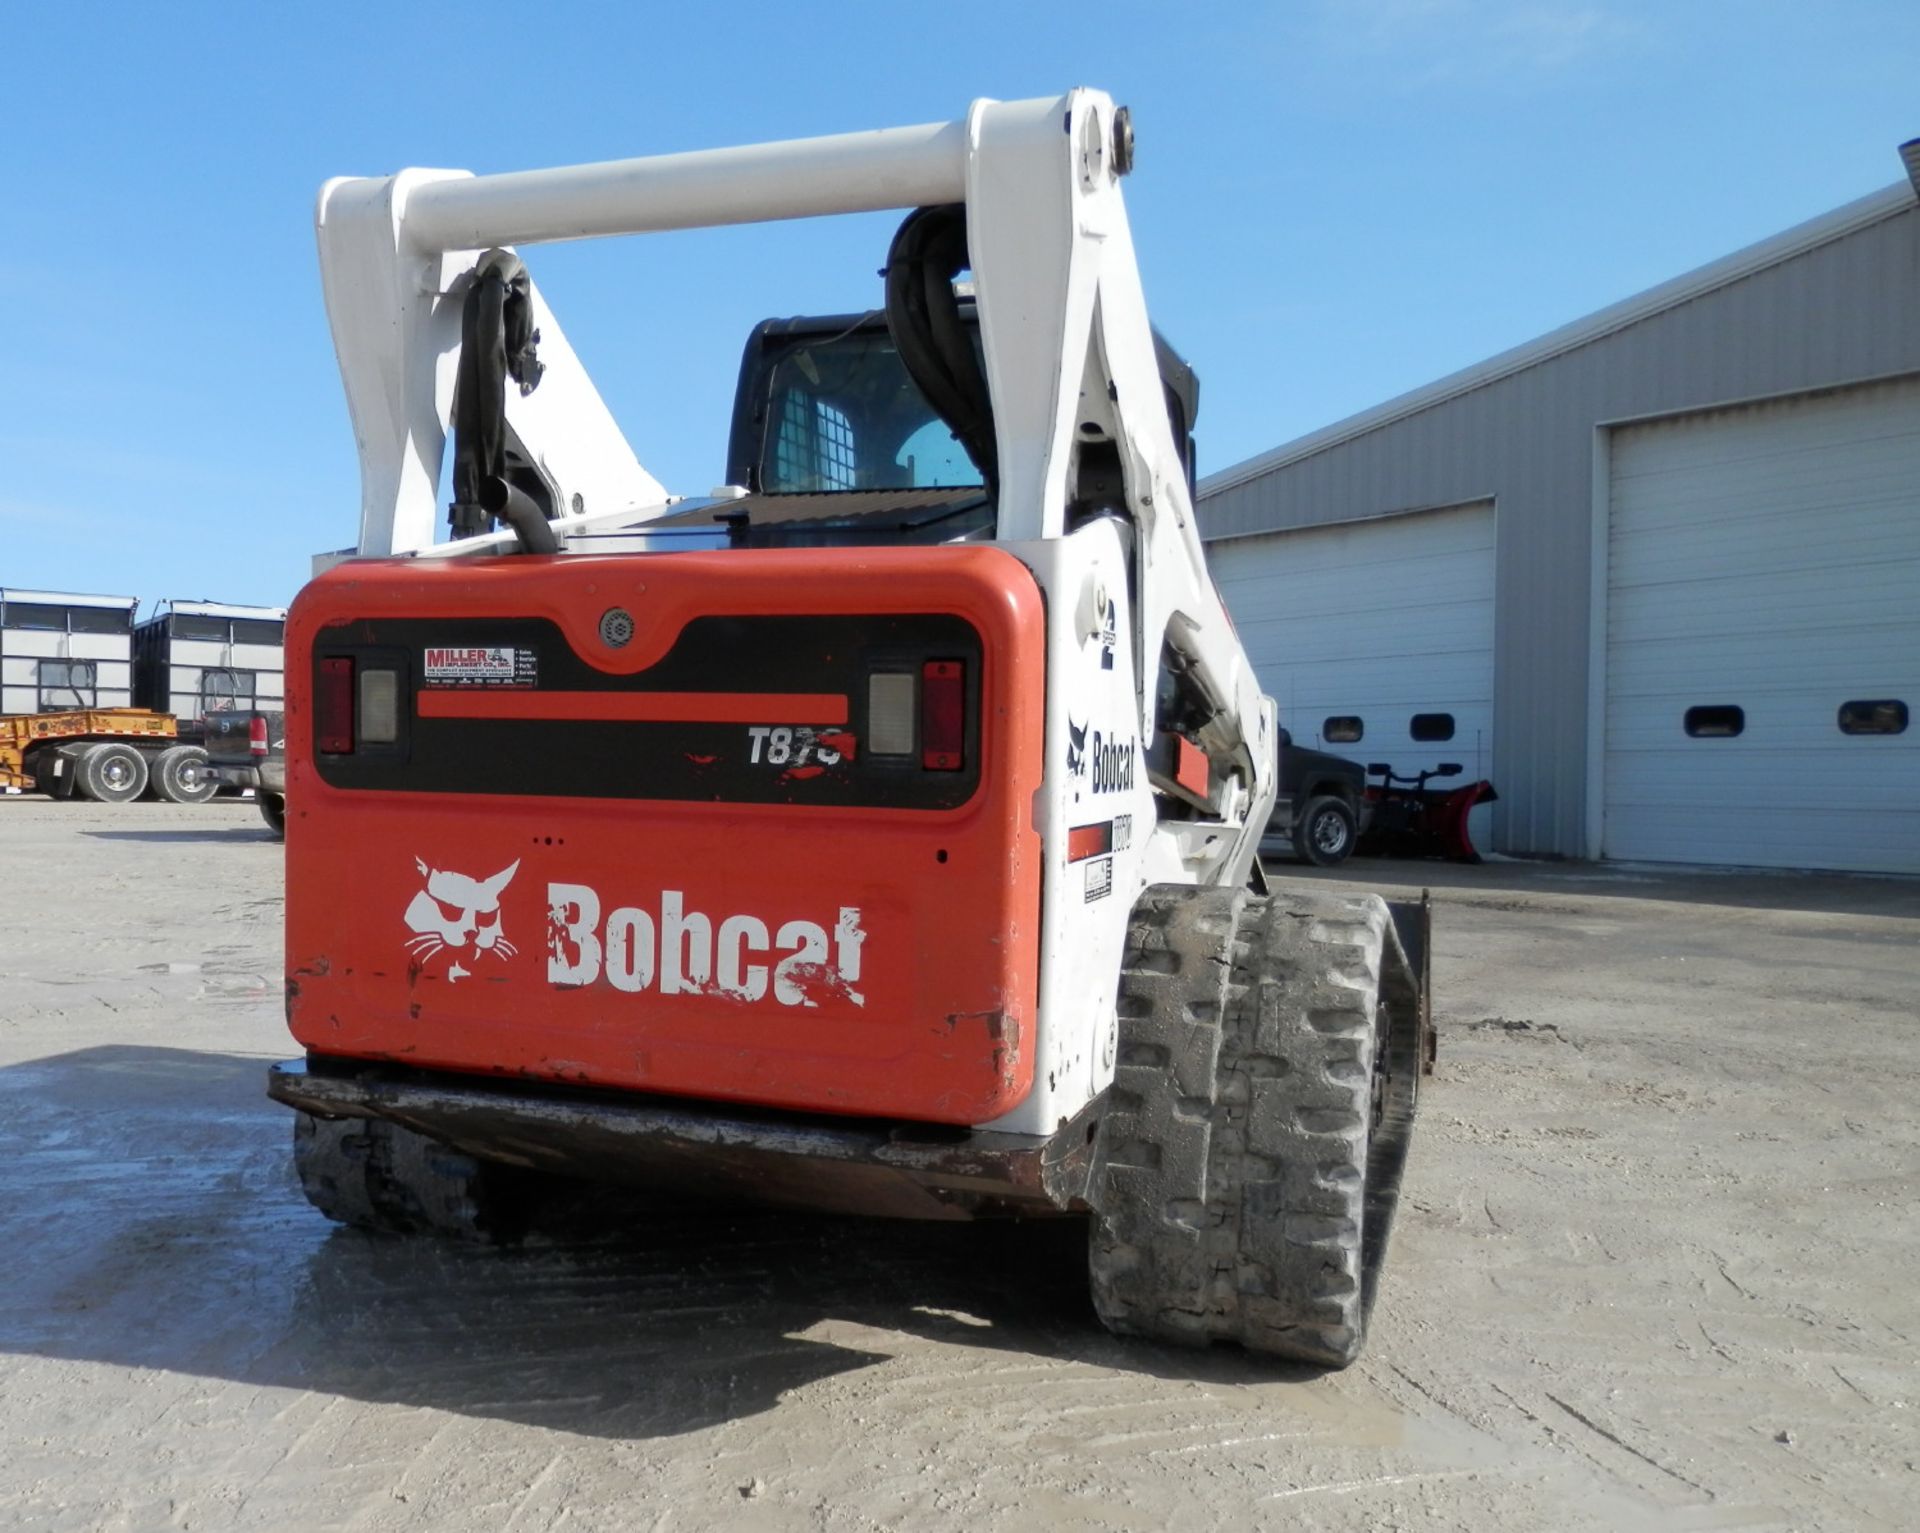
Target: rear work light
{"type": "Point", "coordinates": [379, 717]}
{"type": "Point", "coordinates": [257, 735]}
{"type": "Point", "coordinates": [333, 707]}
{"type": "Point", "coordinates": [943, 715]}
{"type": "Point", "coordinates": [890, 713]}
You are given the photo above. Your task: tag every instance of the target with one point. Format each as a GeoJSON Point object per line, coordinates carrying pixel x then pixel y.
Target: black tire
{"type": "Point", "coordinates": [111, 773]}
{"type": "Point", "coordinates": [1231, 1175]}
{"type": "Point", "coordinates": [1325, 832]}
{"type": "Point", "coordinates": [179, 775]}
{"type": "Point", "coordinates": [41, 763]}
{"type": "Point", "coordinates": [273, 809]}
{"type": "Point", "coordinates": [375, 1175]}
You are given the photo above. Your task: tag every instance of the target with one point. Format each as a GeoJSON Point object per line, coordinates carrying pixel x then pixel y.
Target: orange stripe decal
{"type": "Point", "coordinates": [1193, 770]}
{"type": "Point", "coordinates": [1084, 841]}
{"type": "Point", "coordinates": [633, 707]}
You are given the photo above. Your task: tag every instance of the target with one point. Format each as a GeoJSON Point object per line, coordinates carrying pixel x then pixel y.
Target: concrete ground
{"type": "Point", "coordinates": [1655, 1266]}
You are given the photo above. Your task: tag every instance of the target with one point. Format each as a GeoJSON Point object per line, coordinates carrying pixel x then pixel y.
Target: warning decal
{"type": "Point", "coordinates": [1099, 877]}
{"type": "Point", "coordinates": [479, 666]}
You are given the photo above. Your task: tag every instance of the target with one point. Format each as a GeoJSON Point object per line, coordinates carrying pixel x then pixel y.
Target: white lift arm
{"type": "Point", "coordinates": [1068, 347]}
{"type": "Point", "coordinates": [394, 251]}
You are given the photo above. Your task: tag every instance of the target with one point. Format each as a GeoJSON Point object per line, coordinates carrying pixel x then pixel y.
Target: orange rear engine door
{"type": "Point", "coordinates": [753, 825]}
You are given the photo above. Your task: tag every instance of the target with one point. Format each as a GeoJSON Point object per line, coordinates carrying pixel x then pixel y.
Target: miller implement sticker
{"type": "Point", "coordinates": [479, 666]}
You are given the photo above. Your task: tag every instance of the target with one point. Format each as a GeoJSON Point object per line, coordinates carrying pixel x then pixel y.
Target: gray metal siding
{"type": "Point", "coordinates": [1843, 312]}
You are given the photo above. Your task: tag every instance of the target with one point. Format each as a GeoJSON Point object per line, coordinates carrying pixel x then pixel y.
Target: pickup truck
{"type": "Point", "coordinates": [1321, 807]}
{"type": "Point", "coordinates": [249, 750]}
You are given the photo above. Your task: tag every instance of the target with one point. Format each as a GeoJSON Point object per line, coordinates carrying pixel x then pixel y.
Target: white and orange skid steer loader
{"type": "Point", "coordinates": [877, 833]}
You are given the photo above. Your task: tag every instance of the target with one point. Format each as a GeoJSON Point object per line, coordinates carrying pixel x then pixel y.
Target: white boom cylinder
{"type": "Point", "coordinates": [798, 178]}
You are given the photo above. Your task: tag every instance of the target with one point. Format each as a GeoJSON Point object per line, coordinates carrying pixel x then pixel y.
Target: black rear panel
{"type": "Point", "coordinates": [726, 660]}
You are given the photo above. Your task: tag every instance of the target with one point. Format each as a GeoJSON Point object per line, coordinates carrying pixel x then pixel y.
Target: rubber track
{"type": "Point", "coordinates": [1245, 1191]}
{"type": "Point", "coordinates": [377, 1175]}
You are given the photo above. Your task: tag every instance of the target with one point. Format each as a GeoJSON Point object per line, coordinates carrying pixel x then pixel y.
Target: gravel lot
{"type": "Point", "coordinates": [1655, 1265]}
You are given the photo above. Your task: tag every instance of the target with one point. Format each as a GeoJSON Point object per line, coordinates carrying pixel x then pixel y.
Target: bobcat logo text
{"type": "Point", "coordinates": [672, 950]}
{"type": "Point", "coordinates": [1112, 765]}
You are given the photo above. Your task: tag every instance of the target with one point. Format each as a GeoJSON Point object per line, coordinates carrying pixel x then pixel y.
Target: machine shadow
{"type": "Point", "coordinates": [153, 1188]}
{"type": "Point", "coordinates": [1854, 894]}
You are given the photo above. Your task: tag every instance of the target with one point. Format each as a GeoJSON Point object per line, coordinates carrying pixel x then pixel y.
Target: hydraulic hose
{"type": "Point", "coordinates": [497, 342]}
{"type": "Point", "coordinates": [935, 344]}
{"type": "Point", "coordinates": [512, 505]}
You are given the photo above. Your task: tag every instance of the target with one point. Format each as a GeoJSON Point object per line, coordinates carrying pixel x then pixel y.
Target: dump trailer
{"type": "Point", "coordinates": [200, 659]}
{"type": "Point", "coordinates": [889, 848]}
{"type": "Point", "coordinates": [64, 651]}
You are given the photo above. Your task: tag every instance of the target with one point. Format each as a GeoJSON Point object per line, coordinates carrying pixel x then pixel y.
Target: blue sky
{"type": "Point", "coordinates": [1335, 201]}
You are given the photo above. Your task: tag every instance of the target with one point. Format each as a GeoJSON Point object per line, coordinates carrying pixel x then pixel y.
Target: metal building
{"type": "Point", "coordinates": [1657, 573]}
{"type": "Point", "coordinates": [192, 658]}
{"type": "Point", "coordinates": [61, 650]}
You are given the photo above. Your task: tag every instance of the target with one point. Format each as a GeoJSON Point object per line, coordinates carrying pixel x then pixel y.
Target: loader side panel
{"type": "Point", "coordinates": [753, 826]}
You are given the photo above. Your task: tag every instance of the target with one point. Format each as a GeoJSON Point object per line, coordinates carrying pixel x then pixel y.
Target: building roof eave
{"type": "Point", "coordinates": [1842, 221]}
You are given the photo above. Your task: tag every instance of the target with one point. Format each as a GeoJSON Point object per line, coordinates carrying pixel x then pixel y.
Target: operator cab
{"type": "Point", "coordinates": [836, 445]}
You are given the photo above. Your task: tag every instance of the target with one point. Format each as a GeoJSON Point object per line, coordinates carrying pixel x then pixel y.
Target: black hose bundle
{"type": "Point", "coordinates": [934, 343]}
{"type": "Point", "coordinates": [497, 342]}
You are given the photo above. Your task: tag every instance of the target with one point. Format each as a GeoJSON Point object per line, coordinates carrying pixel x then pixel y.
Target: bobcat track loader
{"type": "Point", "coordinates": [876, 834]}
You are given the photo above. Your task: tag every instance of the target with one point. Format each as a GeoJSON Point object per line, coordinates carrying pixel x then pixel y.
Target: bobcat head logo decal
{"type": "Point", "coordinates": [455, 911]}
{"type": "Point", "coordinates": [1076, 747]}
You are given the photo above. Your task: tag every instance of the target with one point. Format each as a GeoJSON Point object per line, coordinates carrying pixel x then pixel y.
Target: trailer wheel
{"type": "Point", "coordinates": [179, 775]}
{"type": "Point", "coordinates": [273, 809]}
{"type": "Point", "coordinates": [1324, 834]}
{"type": "Point", "coordinates": [111, 773]}
{"type": "Point", "coordinates": [375, 1175]}
{"type": "Point", "coordinates": [1232, 1180]}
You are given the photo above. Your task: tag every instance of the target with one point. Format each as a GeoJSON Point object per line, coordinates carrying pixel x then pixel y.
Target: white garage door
{"type": "Point", "coordinates": [1763, 635]}
{"type": "Point", "coordinates": [1384, 627]}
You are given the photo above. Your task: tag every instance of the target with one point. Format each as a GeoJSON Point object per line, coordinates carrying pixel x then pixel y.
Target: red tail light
{"type": "Point", "coordinates": [333, 708]}
{"type": "Point", "coordinates": [943, 715]}
{"type": "Point", "coordinates": [257, 735]}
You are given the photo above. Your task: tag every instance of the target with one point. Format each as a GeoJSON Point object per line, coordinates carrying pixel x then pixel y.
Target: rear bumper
{"type": "Point", "coordinates": [847, 1165]}
{"type": "Point", "coordinates": [268, 777]}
